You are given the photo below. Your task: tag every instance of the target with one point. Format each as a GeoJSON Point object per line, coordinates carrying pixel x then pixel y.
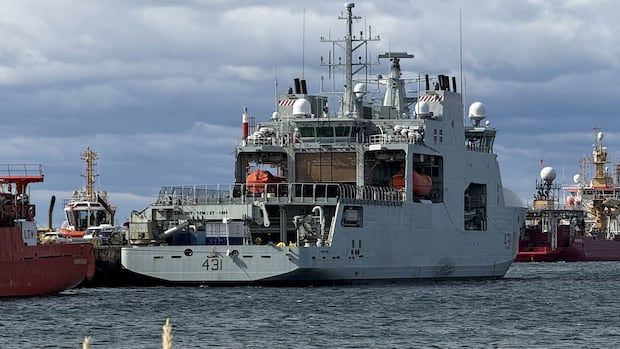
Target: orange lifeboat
{"type": "Point", "coordinates": [422, 184]}
{"type": "Point", "coordinates": [398, 181]}
{"type": "Point", "coordinates": [256, 180]}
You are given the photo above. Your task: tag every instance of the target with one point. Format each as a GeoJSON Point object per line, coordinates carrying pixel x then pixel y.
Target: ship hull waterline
{"type": "Point", "coordinates": [42, 269]}
{"type": "Point", "coordinates": [584, 249]}
{"type": "Point", "coordinates": [235, 266]}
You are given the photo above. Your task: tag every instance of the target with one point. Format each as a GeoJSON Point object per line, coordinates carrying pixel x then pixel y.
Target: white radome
{"type": "Point", "coordinates": [477, 112]}
{"type": "Point", "coordinates": [577, 178]}
{"type": "Point", "coordinates": [359, 89]}
{"type": "Point", "coordinates": [422, 108]}
{"type": "Point", "coordinates": [301, 107]}
{"type": "Point", "coordinates": [547, 174]}
{"type": "Point", "coordinates": [477, 109]}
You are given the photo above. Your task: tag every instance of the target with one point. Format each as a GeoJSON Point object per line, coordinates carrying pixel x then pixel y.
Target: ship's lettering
{"type": "Point", "coordinates": [212, 264]}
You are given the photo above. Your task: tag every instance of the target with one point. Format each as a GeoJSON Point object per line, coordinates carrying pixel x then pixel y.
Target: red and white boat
{"type": "Point", "coordinates": [585, 225]}
{"type": "Point", "coordinates": [27, 267]}
{"type": "Point", "coordinates": [87, 208]}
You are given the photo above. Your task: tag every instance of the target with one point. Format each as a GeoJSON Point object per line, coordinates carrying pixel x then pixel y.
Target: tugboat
{"type": "Point", "coordinates": [396, 188]}
{"type": "Point", "coordinates": [585, 226]}
{"type": "Point", "coordinates": [27, 267]}
{"type": "Point", "coordinates": [87, 208]}
{"type": "Point", "coordinates": [90, 218]}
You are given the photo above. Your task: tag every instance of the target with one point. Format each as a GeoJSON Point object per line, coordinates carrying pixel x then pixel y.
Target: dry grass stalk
{"type": "Point", "coordinates": [86, 343]}
{"type": "Point", "coordinates": [166, 336]}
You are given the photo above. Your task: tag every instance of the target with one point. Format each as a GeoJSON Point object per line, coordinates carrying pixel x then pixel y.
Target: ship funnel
{"type": "Point", "coordinates": [245, 124]}
{"type": "Point", "coordinates": [297, 86]}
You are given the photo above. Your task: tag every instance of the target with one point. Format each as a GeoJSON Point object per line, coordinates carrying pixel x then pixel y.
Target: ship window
{"type": "Point", "coordinates": [325, 132]}
{"type": "Point", "coordinates": [69, 218]}
{"type": "Point", "coordinates": [352, 216]}
{"type": "Point", "coordinates": [81, 220]}
{"type": "Point", "coordinates": [306, 131]}
{"type": "Point", "coordinates": [342, 131]}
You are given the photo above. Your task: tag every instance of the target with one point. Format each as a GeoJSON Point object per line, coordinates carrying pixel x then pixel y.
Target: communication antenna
{"type": "Point", "coordinates": [461, 55]}
{"type": "Point", "coordinates": [275, 94]}
{"type": "Point", "coordinates": [303, 43]}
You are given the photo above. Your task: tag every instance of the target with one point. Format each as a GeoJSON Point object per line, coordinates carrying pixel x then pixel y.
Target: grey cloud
{"type": "Point", "coordinates": [158, 88]}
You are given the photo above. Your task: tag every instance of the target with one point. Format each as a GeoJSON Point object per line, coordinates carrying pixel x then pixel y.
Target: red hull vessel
{"type": "Point", "coordinates": [41, 269]}
{"type": "Point", "coordinates": [582, 249]}
{"type": "Point", "coordinates": [586, 227]}
{"type": "Point", "coordinates": [28, 268]}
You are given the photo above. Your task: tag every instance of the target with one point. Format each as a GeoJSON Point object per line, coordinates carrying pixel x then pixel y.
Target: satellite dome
{"type": "Point", "coordinates": [547, 174]}
{"type": "Point", "coordinates": [422, 108]}
{"type": "Point", "coordinates": [274, 115]}
{"type": "Point", "coordinates": [359, 89]}
{"type": "Point", "coordinates": [477, 112]}
{"type": "Point", "coordinates": [577, 178]}
{"type": "Point", "coordinates": [301, 107]}
{"type": "Point", "coordinates": [600, 136]}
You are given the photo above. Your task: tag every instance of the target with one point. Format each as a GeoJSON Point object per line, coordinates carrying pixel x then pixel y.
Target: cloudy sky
{"type": "Point", "coordinates": [157, 87]}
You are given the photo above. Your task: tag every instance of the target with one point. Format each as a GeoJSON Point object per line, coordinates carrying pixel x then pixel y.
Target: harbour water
{"type": "Point", "coordinates": [537, 305]}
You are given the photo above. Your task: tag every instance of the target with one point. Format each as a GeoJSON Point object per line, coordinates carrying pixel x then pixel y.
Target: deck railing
{"type": "Point", "coordinates": [395, 139]}
{"type": "Point", "coordinates": [311, 193]}
{"type": "Point", "coordinates": [22, 170]}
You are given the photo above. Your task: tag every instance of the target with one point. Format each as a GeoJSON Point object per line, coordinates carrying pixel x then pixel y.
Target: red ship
{"type": "Point", "coordinates": [27, 267]}
{"type": "Point", "coordinates": [585, 227]}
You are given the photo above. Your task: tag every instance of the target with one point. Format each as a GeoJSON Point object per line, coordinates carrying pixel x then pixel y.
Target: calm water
{"type": "Point", "coordinates": [537, 305]}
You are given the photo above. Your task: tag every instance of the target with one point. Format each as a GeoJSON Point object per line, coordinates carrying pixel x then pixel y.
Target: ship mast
{"type": "Point", "coordinates": [599, 159]}
{"type": "Point", "coordinates": [90, 157]}
{"type": "Point", "coordinates": [350, 43]}
{"type": "Point", "coordinates": [348, 87]}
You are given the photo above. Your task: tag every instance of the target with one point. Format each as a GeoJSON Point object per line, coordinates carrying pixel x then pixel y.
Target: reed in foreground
{"type": "Point", "coordinates": [166, 337]}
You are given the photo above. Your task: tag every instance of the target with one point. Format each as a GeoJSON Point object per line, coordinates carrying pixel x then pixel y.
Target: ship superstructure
{"type": "Point", "coordinates": [87, 207]}
{"type": "Point", "coordinates": [579, 223]}
{"type": "Point", "coordinates": [600, 195]}
{"type": "Point", "coordinates": [28, 267]}
{"type": "Point", "coordinates": [397, 188]}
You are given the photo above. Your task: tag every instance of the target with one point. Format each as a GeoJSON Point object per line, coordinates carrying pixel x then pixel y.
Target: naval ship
{"type": "Point", "coordinates": [392, 188]}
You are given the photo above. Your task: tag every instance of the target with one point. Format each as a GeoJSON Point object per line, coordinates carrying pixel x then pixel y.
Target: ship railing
{"type": "Point", "coordinates": [260, 141]}
{"type": "Point", "coordinates": [21, 170]}
{"type": "Point", "coordinates": [395, 139]}
{"type": "Point", "coordinates": [310, 193]}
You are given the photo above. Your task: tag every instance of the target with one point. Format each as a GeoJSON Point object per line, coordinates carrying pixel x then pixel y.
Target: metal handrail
{"type": "Point", "coordinates": [276, 192]}
{"type": "Point", "coordinates": [29, 170]}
